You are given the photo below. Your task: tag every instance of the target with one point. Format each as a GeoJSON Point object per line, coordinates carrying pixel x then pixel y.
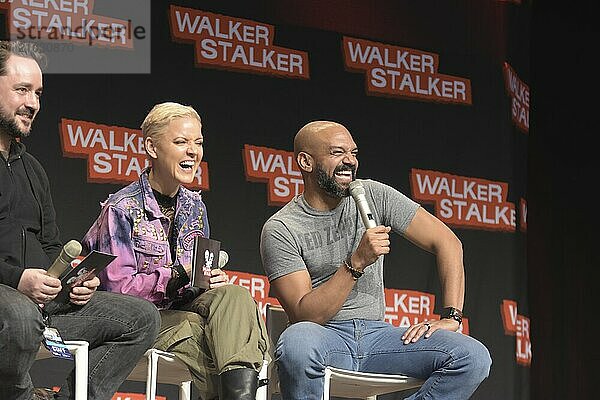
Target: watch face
{"type": "Point", "coordinates": [452, 313]}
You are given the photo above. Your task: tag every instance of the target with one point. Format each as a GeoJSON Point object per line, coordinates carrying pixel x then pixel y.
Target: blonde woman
{"type": "Point", "coordinates": [150, 225]}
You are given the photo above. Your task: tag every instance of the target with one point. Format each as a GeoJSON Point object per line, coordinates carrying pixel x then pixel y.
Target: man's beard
{"type": "Point", "coordinates": [329, 184]}
{"type": "Point", "coordinates": [9, 126]}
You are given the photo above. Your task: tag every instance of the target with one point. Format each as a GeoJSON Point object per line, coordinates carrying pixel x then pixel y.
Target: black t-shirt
{"type": "Point", "coordinates": [167, 206]}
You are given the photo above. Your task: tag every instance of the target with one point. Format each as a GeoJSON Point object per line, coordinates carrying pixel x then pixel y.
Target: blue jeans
{"type": "Point", "coordinates": [119, 329]}
{"type": "Point", "coordinates": [452, 364]}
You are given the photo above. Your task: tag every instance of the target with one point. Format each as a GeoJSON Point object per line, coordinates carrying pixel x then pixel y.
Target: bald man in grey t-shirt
{"type": "Point", "coordinates": [320, 241]}
{"type": "Point", "coordinates": [326, 270]}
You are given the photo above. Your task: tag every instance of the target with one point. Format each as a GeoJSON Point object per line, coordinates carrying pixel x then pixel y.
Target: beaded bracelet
{"type": "Point", "coordinates": [355, 273]}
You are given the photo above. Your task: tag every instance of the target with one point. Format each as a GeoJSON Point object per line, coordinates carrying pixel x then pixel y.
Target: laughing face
{"type": "Point", "coordinates": [177, 153]}
{"type": "Point", "coordinates": [20, 91]}
{"type": "Point", "coordinates": [336, 166]}
{"type": "Point", "coordinates": [336, 185]}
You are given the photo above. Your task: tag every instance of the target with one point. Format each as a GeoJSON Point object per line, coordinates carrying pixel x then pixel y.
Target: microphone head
{"type": "Point", "coordinates": [356, 188]}
{"type": "Point", "coordinates": [223, 258]}
{"type": "Point", "coordinates": [72, 249]}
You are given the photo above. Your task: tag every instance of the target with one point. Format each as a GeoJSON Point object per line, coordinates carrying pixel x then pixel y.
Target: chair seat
{"type": "Point", "coordinates": [346, 383]}
{"type": "Point", "coordinates": [172, 370]}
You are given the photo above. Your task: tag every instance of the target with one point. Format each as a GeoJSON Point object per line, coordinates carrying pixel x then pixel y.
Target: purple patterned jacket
{"type": "Point", "coordinates": [132, 227]}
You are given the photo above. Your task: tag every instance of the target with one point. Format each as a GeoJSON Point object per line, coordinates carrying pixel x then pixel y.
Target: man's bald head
{"type": "Point", "coordinates": [327, 157]}
{"type": "Point", "coordinates": [309, 137]}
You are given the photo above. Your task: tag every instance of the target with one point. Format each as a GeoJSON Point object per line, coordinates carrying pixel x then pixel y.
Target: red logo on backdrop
{"type": "Point", "coordinates": [465, 201]}
{"type": "Point", "coordinates": [276, 167]}
{"type": "Point", "coordinates": [523, 214]}
{"type": "Point", "coordinates": [235, 44]}
{"type": "Point", "coordinates": [518, 326]}
{"type": "Point", "coordinates": [519, 95]}
{"type": "Point", "coordinates": [114, 154]}
{"type": "Point", "coordinates": [403, 72]}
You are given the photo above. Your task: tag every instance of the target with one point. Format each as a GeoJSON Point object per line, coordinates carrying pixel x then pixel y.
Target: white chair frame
{"type": "Point", "coordinates": [80, 350]}
{"type": "Point", "coordinates": [353, 384]}
{"type": "Point", "coordinates": [175, 372]}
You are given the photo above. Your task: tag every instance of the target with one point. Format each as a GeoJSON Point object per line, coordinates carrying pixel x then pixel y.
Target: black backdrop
{"type": "Point", "coordinates": [562, 177]}
{"type": "Point", "coordinates": [394, 135]}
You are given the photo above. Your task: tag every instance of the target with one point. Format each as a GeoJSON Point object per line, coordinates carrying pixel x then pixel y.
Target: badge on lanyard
{"type": "Point", "coordinates": [55, 345]}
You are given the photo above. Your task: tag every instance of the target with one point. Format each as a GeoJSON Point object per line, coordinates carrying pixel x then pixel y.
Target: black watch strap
{"type": "Point", "coordinates": [452, 313]}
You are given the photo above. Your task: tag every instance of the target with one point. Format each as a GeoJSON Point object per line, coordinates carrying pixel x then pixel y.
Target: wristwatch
{"type": "Point", "coordinates": [452, 313]}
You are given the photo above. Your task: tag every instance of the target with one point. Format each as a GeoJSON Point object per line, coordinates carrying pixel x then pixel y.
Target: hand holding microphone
{"type": "Point", "coordinates": [69, 252]}
{"type": "Point", "coordinates": [357, 191]}
{"type": "Point", "coordinates": [376, 239]}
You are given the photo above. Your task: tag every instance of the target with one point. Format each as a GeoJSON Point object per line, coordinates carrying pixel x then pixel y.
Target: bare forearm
{"type": "Point", "coordinates": [318, 305]}
{"type": "Point", "coordinates": [452, 275]}
{"type": "Point", "coordinates": [430, 234]}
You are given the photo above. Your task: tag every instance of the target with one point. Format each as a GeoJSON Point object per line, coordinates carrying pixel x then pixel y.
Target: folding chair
{"type": "Point", "coordinates": [339, 382]}
{"type": "Point", "coordinates": [175, 372]}
{"type": "Point", "coordinates": [79, 349]}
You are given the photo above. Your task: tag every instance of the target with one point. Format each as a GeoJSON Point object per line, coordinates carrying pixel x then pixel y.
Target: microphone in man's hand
{"type": "Point", "coordinates": [357, 191]}
{"type": "Point", "coordinates": [192, 292]}
{"type": "Point", "coordinates": [69, 252]}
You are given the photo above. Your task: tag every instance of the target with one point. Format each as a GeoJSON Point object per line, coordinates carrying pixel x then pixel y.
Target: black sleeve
{"type": "Point", "coordinates": [49, 235]}
{"type": "Point", "coordinates": [10, 275]}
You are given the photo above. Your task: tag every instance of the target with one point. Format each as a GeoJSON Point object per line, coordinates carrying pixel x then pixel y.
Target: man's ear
{"type": "Point", "coordinates": [305, 161]}
{"type": "Point", "coordinates": [150, 147]}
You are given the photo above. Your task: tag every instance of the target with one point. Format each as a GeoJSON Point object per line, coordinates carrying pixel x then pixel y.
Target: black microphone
{"type": "Point", "coordinates": [357, 191]}
{"type": "Point", "coordinates": [190, 293]}
{"type": "Point", "coordinates": [69, 252]}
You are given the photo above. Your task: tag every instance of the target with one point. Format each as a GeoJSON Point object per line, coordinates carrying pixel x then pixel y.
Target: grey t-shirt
{"type": "Point", "coordinates": [298, 237]}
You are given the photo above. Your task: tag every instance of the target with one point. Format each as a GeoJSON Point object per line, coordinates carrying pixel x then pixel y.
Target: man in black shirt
{"type": "Point", "coordinates": [119, 328]}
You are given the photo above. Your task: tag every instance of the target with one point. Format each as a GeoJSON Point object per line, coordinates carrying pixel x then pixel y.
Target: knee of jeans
{"type": "Point", "coordinates": [147, 317]}
{"type": "Point", "coordinates": [26, 324]}
{"type": "Point", "coordinates": [479, 360]}
{"type": "Point", "coordinates": [297, 343]}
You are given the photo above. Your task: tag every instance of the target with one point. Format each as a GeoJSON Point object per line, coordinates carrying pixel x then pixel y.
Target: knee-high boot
{"type": "Point", "coordinates": [238, 384]}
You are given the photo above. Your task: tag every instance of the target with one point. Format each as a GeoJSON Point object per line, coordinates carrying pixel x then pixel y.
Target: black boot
{"type": "Point", "coordinates": [238, 384]}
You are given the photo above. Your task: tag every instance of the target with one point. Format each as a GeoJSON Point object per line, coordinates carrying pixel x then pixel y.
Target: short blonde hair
{"type": "Point", "coordinates": [161, 115]}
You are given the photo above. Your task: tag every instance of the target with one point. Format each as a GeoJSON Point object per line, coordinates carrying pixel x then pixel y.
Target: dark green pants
{"type": "Point", "coordinates": [220, 330]}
